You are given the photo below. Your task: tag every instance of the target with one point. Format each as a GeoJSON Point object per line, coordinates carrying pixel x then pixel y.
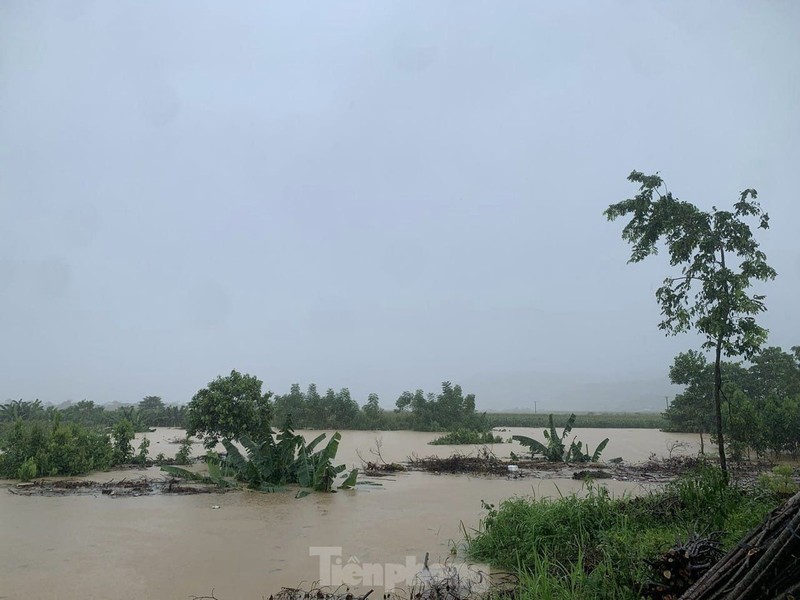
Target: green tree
{"type": "Point", "coordinates": [718, 259]}
{"type": "Point", "coordinates": [229, 407]}
{"type": "Point", "coordinates": [291, 405]}
{"type": "Point", "coordinates": [151, 411]}
{"type": "Point", "coordinates": [693, 409]}
{"type": "Point", "coordinates": [372, 411]}
{"type": "Point", "coordinates": [773, 372]}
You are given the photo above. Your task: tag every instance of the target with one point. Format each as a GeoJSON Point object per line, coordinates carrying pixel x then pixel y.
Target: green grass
{"type": "Point", "coordinates": [596, 547]}
{"type": "Point", "coordinates": [597, 420]}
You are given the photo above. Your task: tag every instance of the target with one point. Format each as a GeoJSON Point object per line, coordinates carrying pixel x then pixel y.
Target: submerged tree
{"type": "Point", "coordinates": [230, 407]}
{"type": "Point", "coordinates": [718, 259]}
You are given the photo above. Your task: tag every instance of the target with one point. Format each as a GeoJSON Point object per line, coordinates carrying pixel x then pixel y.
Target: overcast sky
{"type": "Point", "coordinates": [379, 195]}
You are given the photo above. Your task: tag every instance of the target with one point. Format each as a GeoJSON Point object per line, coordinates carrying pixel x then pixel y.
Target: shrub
{"type": "Point", "coordinates": [467, 436]}
{"type": "Point", "coordinates": [182, 456]}
{"type": "Point", "coordinates": [27, 470]}
{"type": "Point", "coordinates": [122, 433]}
{"type": "Point", "coordinates": [141, 456]}
{"type": "Point", "coordinates": [53, 449]}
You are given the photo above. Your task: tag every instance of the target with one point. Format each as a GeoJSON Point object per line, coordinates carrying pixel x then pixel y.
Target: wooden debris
{"type": "Point", "coordinates": [682, 565]}
{"type": "Point", "coordinates": [765, 564]}
{"type": "Point", "coordinates": [592, 474]}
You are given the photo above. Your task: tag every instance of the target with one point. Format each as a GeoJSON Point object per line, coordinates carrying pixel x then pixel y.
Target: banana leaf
{"type": "Point", "coordinates": [351, 480]}
{"type": "Point", "coordinates": [599, 450]}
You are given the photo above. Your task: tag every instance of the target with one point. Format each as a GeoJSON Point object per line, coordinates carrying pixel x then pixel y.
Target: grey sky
{"type": "Point", "coordinates": [380, 195]}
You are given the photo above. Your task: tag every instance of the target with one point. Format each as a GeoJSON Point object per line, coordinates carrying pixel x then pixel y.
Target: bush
{"type": "Point", "coordinates": [467, 436]}
{"type": "Point", "coordinates": [123, 433]}
{"type": "Point", "coordinates": [141, 456]}
{"type": "Point", "coordinates": [182, 456]}
{"type": "Point", "coordinates": [53, 449]}
{"type": "Point", "coordinates": [27, 470]}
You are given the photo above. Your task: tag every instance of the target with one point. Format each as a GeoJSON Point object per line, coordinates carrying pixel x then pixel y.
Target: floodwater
{"type": "Point", "coordinates": [87, 547]}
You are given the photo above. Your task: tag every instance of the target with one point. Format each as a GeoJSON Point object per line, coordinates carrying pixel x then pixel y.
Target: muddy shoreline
{"type": "Point", "coordinates": [481, 464]}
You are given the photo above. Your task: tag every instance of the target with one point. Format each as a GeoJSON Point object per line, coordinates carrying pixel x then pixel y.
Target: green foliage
{"type": "Point", "coordinates": [214, 476]}
{"type": "Point", "coordinates": [230, 407]}
{"type": "Point", "coordinates": [122, 433]}
{"type": "Point", "coordinates": [762, 403]}
{"type": "Point", "coordinates": [184, 452]}
{"type": "Point", "coordinates": [780, 481]}
{"type": "Point", "coordinates": [556, 449]}
{"type": "Point", "coordinates": [448, 410]}
{"type": "Point", "coordinates": [21, 410]}
{"type": "Point", "coordinates": [87, 413]}
{"type": "Point", "coordinates": [595, 546]}
{"type": "Point", "coordinates": [141, 455]}
{"type": "Point", "coordinates": [52, 449]}
{"type": "Point", "coordinates": [154, 413]}
{"type": "Point", "coordinates": [467, 436]}
{"type": "Point", "coordinates": [350, 481]}
{"type": "Point", "coordinates": [286, 459]}
{"type": "Point", "coordinates": [718, 258]}
{"type": "Point", "coordinates": [331, 411]}
{"type": "Point", "coordinates": [27, 470]}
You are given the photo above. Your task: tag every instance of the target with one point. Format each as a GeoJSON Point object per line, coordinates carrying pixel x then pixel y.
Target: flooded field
{"type": "Point", "coordinates": [86, 547]}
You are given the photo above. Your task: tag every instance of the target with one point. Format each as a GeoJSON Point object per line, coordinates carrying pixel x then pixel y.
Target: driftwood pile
{"type": "Point", "coordinates": [484, 463]}
{"type": "Point", "coordinates": [656, 470]}
{"type": "Point", "coordinates": [765, 564]}
{"type": "Point", "coordinates": [381, 469]}
{"type": "Point", "coordinates": [681, 566]}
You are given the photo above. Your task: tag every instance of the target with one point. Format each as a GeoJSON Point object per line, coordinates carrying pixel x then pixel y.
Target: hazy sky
{"type": "Point", "coordinates": [380, 195]}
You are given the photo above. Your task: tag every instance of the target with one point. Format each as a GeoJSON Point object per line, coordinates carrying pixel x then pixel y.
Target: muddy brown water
{"type": "Point", "coordinates": [87, 547]}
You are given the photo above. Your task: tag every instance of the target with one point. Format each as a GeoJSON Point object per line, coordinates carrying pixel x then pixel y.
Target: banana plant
{"type": "Point", "coordinates": [556, 449]}
{"type": "Point", "coordinates": [269, 464]}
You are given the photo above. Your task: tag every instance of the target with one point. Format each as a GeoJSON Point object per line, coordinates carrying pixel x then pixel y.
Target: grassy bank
{"type": "Point", "coordinates": [598, 547]}
{"type": "Point", "coordinates": [592, 419]}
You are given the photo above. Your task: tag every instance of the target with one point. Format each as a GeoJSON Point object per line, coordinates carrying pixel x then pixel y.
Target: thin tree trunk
{"type": "Point", "coordinates": [718, 406]}
{"type": "Point", "coordinates": [702, 445]}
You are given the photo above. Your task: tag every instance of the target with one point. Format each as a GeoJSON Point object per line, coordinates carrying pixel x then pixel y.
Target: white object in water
{"type": "Point", "coordinates": [216, 506]}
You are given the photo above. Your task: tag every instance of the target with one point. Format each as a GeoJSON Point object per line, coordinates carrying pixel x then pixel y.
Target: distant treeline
{"type": "Point", "coordinates": [448, 410]}
{"type": "Point", "coordinates": [150, 412]}
{"type": "Point", "coordinates": [592, 419]}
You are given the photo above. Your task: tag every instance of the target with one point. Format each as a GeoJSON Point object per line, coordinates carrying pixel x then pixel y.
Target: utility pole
{"type": "Point", "coordinates": [535, 406]}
